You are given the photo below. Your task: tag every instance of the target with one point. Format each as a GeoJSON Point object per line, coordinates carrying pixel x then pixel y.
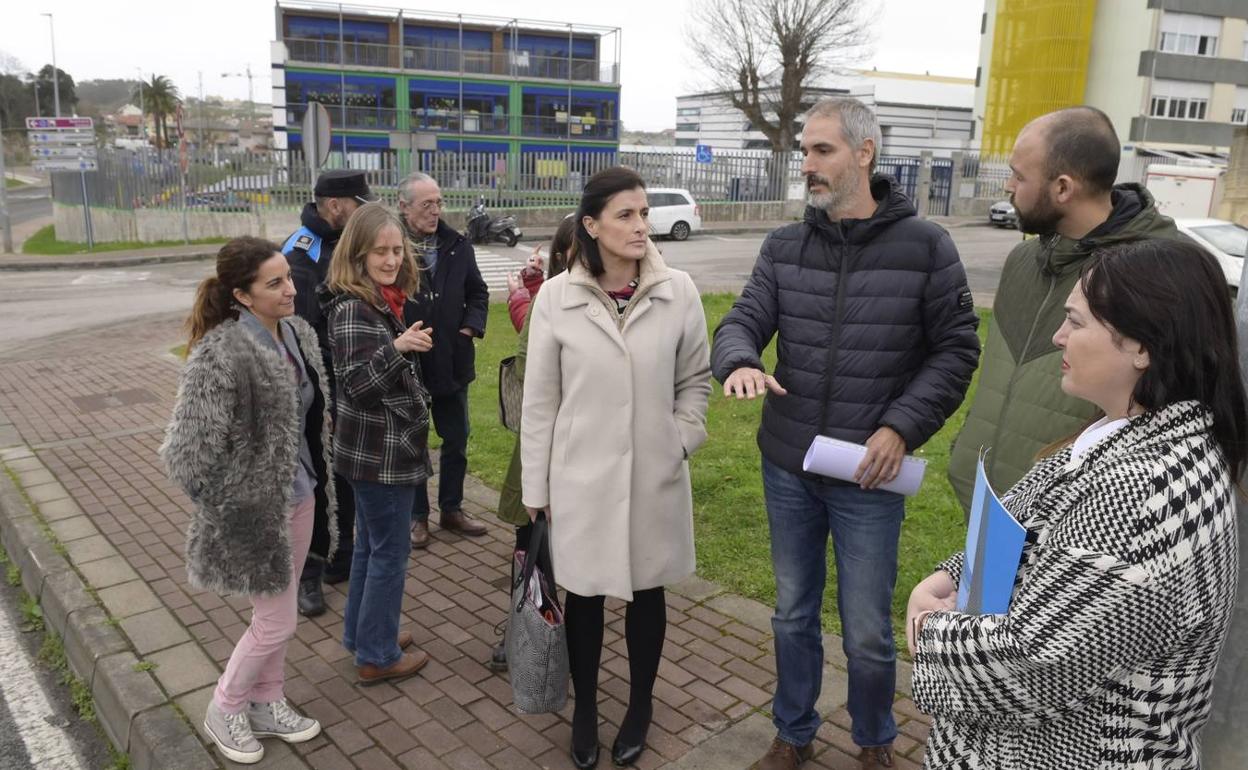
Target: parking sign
{"type": "Point", "coordinates": [703, 152]}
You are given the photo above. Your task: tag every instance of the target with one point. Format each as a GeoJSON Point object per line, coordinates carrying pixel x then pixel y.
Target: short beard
{"type": "Point", "coordinates": [1043, 219]}
{"type": "Point", "coordinates": [840, 191]}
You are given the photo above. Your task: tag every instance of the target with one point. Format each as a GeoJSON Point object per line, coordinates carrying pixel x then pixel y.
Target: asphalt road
{"type": "Point", "coordinates": [27, 203]}
{"type": "Point", "coordinates": [39, 729]}
{"type": "Point", "coordinates": [35, 305]}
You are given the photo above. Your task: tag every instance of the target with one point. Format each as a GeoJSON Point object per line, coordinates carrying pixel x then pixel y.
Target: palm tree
{"type": "Point", "coordinates": [160, 99]}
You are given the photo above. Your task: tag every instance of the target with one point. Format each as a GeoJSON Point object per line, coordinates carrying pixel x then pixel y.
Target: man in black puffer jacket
{"type": "Point", "coordinates": [877, 346]}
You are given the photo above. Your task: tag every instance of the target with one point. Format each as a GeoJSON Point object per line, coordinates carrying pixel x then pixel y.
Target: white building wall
{"type": "Point", "coordinates": [1122, 29]}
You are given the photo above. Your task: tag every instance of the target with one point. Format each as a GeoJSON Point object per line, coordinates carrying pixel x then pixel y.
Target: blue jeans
{"type": "Point", "coordinates": [383, 518]}
{"type": "Point", "coordinates": [865, 526]}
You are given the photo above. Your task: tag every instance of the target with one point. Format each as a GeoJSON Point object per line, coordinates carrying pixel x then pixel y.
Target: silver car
{"type": "Point", "coordinates": [1002, 214]}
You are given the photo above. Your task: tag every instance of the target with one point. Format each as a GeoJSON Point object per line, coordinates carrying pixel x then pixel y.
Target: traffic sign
{"type": "Point", "coordinates": [63, 152]}
{"type": "Point", "coordinates": [703, 152]}
{"type": "Point", "coordinates": [61, 137]}
{"type": "Point", "coordinates": [65, 164]}
{"type": "Point", "coordinates": [316, 135]}
{"type": "Point", "coordinates": [58, 123]}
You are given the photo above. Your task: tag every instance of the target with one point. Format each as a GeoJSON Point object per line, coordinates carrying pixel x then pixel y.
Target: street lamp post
{"type": "Point", "coordinates": [142, 108]}
{"type": "Point", "coordinates": [56, 79]}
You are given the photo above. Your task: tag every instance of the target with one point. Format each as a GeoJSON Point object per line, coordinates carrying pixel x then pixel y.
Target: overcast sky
{"type": "Point", "coordinates": [112, 39]}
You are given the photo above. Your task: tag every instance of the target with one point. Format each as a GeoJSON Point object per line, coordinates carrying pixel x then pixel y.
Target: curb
{"type": "Point", "coordinates": [131, 708]}
{"type": "Point", "coordinates": [101, 262]}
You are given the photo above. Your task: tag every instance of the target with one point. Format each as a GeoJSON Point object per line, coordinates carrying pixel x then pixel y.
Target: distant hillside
{"type": "Point", "coordinates": [107, 95]}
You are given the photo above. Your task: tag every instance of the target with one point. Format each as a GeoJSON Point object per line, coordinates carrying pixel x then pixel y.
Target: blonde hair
{"type": "Point", "coordinates": [347, 271]}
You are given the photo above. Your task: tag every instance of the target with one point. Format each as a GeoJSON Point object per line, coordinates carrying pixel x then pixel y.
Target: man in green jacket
{"type": "Point", "coordinates": [1062, 187]}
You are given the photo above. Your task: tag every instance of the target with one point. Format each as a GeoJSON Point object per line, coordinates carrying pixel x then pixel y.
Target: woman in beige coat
{"type": "Point", "coordinates": [615, 397]}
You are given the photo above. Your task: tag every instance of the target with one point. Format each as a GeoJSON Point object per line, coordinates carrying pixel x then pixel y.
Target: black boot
{"type": "Point", "coordinates": [311, 598]}
{"type": "Point", "coordinates": [339, 567]}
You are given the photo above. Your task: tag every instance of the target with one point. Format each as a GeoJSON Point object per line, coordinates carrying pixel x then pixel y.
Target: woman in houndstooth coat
{"type": "Point", "coordinates": [1126, 584]}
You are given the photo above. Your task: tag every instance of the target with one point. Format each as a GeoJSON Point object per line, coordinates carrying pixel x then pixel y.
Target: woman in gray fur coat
{"type": "Point", "coordinates": [248, 442]}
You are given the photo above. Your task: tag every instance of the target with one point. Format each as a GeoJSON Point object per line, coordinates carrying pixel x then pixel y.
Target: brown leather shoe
{"type": "Point", "coordinates": [785, 756]}
{"type": "Point", "coordinates": [409, 663]}
{"type": "Point", "coordinates": [420, 534]}
{"type": "Point", "coordinates": [405, 640]}
{"type": "Point", "coordinates": [876, 756]}
{"type": "Point", "coordinates": [463, 523]}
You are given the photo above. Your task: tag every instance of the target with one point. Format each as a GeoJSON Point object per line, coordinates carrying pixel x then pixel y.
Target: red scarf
{"type": "Point", "coordinates": [395, 298]}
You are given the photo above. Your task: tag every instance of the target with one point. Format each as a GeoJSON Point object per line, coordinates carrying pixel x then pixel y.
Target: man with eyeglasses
{"type": "Point", "coordinates": [338, 193]}
{"type": "Point", "coordinates": [454, 300]}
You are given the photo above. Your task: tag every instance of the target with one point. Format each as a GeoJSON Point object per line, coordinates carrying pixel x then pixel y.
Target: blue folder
{"type": "Point", "coordinates": [994, 546]}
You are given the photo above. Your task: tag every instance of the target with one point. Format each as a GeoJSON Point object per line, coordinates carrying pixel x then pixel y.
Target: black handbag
{"type": "Point", "coordinates": [537, 642]}
{"type": "Point", "coordinates": [510, 394]}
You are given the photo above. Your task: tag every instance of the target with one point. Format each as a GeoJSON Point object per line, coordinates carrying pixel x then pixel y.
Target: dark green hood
{"type": "Point", "coordinates": [1134, 216]}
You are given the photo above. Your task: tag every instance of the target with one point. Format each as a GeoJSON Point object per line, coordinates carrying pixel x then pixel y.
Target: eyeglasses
{"type": "Point", "coordinates": [431, 205]}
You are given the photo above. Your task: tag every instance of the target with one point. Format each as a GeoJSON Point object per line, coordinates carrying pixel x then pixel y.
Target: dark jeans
{"type": "Point", "coordinates": [314, 566]}
{"type": "Point", "coordinates": [378, 568]}
{"type": "Point", "coordinates": [450, 420]}
{"type": "Point", "coordinates": [865, 526]}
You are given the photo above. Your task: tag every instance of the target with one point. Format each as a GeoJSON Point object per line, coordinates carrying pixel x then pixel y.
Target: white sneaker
{"type": "Point", "coordinates": [279, 720]}
{"type": "Point", "coordinates": [233, 736]}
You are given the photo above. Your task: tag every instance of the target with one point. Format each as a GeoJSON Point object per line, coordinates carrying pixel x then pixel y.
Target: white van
{"type": "Point", "coordinates": [673, 212]}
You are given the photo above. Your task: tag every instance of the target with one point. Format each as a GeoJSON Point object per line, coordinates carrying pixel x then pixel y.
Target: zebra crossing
{"type": "Point", "coordinates": [495, 266]}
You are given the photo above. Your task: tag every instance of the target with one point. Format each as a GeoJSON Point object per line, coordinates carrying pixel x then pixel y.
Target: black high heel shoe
{"type": "Point", "coordinates": [587, 760]}
{"type": "Point", "coordinates": [625, 754]}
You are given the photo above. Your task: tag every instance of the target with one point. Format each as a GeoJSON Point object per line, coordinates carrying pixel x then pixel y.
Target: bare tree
{"type": "Point", "coordinates": [765, 54]}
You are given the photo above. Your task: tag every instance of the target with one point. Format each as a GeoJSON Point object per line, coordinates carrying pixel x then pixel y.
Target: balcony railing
{"type": "Point", "coordinates": [468, 122]}
{"type": "Point", "coordinates": [366, 118]}
{"type": "Point", "coordinates": [446, 59]}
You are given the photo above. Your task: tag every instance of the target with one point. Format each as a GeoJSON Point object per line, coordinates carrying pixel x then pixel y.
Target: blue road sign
{"type": "Point", "coordinates": [703, 152]}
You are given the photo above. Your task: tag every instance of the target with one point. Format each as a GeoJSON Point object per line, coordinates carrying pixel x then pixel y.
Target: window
{"type": "Point", "coordinates": [592, 114]}
{"type": "Point", "coordinates": [1239, 112]}
{"type": "Point", "coordinates": [682, 142]}
{"type": "Point", "coordinates": [1190, 34]}
{"type": "Point", "coordinates": [687, 126]}
{"type": "Point", "coordinates": [434, 105]}
{"type": "Point", "coordinates": [547, 56]}
{"type": "Point", "coordinates": [688, 112]}
{"type": "Point", "coordinates": [485, 108]}
{"type": "Point", "coordinates": [315, 39]}
{"type": "Point", "coordinates": [438, 48]}
{"type": "Point", "coordinates": [1180, 100]}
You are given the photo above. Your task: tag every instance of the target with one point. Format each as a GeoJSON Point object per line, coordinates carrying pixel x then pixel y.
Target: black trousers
{"type": "Point", "coordinates": [314, 566]}
{"type": "Point", "coordinates": [450, 420]}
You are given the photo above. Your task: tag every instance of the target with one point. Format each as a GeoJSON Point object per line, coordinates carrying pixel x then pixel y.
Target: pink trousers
{"type": "Point", "coordinates": [256, 672]}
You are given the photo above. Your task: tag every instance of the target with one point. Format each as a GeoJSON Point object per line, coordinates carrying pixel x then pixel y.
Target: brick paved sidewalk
{"type": "Point", "coordinates": [92, 409]}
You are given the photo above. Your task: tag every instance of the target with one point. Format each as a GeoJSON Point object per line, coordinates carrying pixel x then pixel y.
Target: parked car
{"type": "Point", "coordinates": [1002, 214]}
{"type": "Point", "coordinates": [1226, 241]}
{"type": "Point", "coordinates": [673, 212]}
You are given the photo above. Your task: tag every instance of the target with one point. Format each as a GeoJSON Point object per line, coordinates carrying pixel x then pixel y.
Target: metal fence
{"type": "Point", "coordinates": [216, 181]}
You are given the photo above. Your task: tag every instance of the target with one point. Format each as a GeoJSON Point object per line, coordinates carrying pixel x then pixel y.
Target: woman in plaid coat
{"type": "Point", "coordinates": [1126, 584]}
{"type": "Point", "coordinates": [382, 430]}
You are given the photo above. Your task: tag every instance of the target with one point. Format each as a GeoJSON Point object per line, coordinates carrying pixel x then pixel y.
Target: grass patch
{"type": "Point", "coordinates": [144, 665]}
{"type": "Point", "coordinates": [52, 655]}
{"type": "Point", "coordinates": [10, 182]}
{"type": "Point", "coordinates": [730, 520]}
{"type": "Point", "coordinates": [32, 614]}
{"type": "Point", "coordinates": [44, 243]}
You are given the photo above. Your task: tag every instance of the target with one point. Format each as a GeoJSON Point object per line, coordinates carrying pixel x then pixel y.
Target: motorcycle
{"type": "Point", "coordinates": [482, 228]}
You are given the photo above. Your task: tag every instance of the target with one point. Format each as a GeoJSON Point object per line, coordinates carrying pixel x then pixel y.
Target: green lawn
{"type": "Point", "coordinates": [729, 518]}
{"type": "Point", "coordinates": [44, 243]}
{"type": "Point", "coordinates": [10, 182]}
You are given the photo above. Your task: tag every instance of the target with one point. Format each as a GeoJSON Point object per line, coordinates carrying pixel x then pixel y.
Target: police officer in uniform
{"type": "Point", "coordinates": [338, 193]}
